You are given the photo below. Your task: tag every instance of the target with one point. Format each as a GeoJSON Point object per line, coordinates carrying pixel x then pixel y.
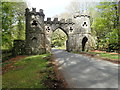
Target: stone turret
{"type": "Point", "coordinates": [83, 22]}
{"type": "Point", "coordinates": [83, 36]}
{"type": "Point", "coordinates": [35, 32]}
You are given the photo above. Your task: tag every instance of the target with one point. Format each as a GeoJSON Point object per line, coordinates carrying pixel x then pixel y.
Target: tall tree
{"type": "Point", "coordinates": [12, 22]}
{"type": "Point", "coordinates": [106, 24]}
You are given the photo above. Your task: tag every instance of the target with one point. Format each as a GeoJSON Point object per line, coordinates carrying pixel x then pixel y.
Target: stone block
{"type": "Point", "coordinates": [48, 19]}
{"type": "Point", "coordinates": [62, 21]}
{"type": "Point", "coordinates": [55, 20]}
{"type": "Point", "coordinates": [33, 9]}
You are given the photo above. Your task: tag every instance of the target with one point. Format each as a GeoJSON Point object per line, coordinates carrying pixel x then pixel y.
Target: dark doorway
{"type": "Point", "coordinates": [85, 39]}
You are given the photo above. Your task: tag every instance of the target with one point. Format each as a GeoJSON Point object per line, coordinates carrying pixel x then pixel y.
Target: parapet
{"type": "Point", "coordinates": [61, 21]}
{"type": "Point", "coordinates": [33, 11]}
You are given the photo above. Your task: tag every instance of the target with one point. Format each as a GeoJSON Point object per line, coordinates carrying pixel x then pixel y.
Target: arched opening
{"type": "Point", "coordinates": [84, 40]}
{"type": "Point", "coordinates": [59, 39]}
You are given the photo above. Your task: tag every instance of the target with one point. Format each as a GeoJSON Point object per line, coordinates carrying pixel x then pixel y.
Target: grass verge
{"type": "Point", "coordinates": [29, 72]}
{"type": "Point", "coordinates": [105, 55]}
{"type": "Point", "coordinates": [112, 57]}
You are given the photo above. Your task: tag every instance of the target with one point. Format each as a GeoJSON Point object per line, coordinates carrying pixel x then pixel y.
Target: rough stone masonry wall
{"type": "Point", "coordinates": [35, 34]}
{"type": "Point", "coordinates": [51, 26]}
{"type": "Point", "coordinates": [82, 29]}
{"type": "Point", "coordinates": [39, 32]}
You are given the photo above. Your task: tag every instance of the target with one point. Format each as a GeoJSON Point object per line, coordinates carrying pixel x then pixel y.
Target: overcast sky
{"type": "Point", "coordinates": [52, 7]}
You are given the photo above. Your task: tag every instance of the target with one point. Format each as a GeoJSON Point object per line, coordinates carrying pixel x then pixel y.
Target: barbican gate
{"type": "Point", "coordinates": [39, 32]}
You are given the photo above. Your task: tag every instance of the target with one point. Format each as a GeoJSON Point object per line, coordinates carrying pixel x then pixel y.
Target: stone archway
{"type": "Point", "coordinates": [65, 27]}
{"type": "Point", "coordinates": [39, 32]}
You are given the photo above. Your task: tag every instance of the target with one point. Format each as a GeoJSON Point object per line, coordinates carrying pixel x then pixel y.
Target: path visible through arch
{"type": "Point", "coordinates": [84, 72]}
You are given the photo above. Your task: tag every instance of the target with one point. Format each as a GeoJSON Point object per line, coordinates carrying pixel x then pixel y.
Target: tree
{"type": "Point", "coordinates": [106, 25]}
{"type": "Point", "coordinates": [12, 22]}
{"type": "Point", "coordinates": [59, 38]}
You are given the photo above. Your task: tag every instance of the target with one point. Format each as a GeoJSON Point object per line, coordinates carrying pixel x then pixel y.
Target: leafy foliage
{"type": "Point", "coordinates": [59, 38]}
{"type": "Point", "coordinates": [106, 25]}
{"type": "Point", "coordinates": [12, 22]}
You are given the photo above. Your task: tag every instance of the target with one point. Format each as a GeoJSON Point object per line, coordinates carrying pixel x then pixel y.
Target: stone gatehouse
{"type": "Point", "coordinates": [39, 32]}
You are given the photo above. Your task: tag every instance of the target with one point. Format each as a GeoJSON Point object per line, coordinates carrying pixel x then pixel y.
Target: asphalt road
{"type": "Point", "coordinates": [84, 72]}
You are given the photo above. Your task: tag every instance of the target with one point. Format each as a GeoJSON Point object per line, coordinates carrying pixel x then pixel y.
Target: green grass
{"type": "Point", "coordinates": [106, 55]}
{"type": "Point", "coordinates": [27, 74]}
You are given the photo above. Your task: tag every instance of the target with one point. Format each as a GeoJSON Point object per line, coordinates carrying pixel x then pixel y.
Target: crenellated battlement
{"type": "Point", "coordinates": [49, 20]}
{"type": "Point", "coordinates": [56, 21]}
{"type": "Point", "coordinates": [39, 32]}
{"type": "Point", "coordinates": [33, 11]}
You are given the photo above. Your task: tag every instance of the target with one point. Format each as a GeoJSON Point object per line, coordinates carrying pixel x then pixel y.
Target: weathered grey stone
{"type": "Point", "coordinates": [62, 21]}
{"type": "Point", "coordinates": [39, 32]}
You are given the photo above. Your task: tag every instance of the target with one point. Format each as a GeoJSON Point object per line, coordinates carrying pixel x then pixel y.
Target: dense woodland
{"type": "Point", "coordinates": [104, 24]}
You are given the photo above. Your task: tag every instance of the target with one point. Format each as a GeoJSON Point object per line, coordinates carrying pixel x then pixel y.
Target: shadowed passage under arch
{"type": "Point", "coordinates": [59, 38]}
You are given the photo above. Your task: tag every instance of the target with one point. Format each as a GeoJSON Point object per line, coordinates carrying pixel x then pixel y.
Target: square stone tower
{"type": "Point", "coordinates": [35, 35]}
{"type": "Point", "coordinates": [82, 35]}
